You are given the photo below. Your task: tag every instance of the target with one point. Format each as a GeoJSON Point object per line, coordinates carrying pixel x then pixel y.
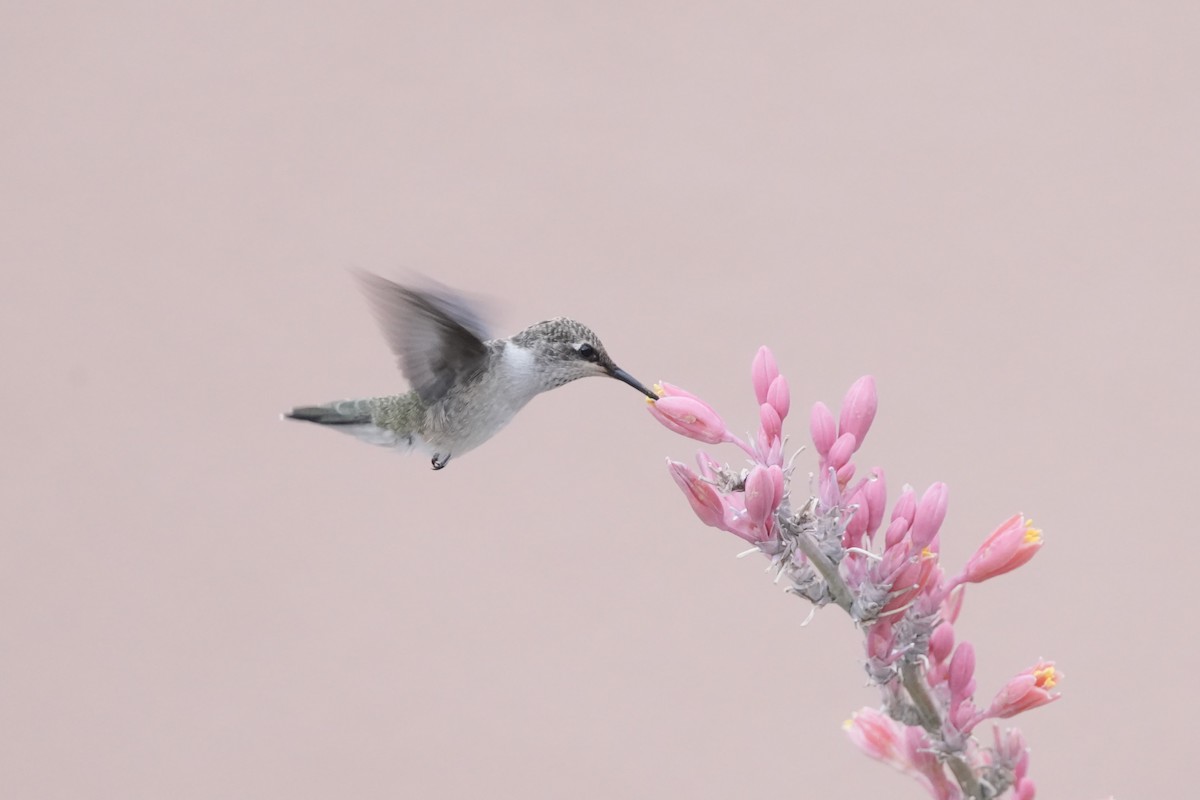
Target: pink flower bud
{"type": "Point", "coordinates": [759, 496]}
{"type": "Point", "coordinates": [962, 672]}
{"type": "Point", "coordinates": [856, 526]}
{"type": "Point", "coordinates": [822, 428]}
{"type": "Point", "coordinates": [763, 371]}
{"type": "Point", "coordinates": [1024, 789]}
{"type": "Point", "coordinates": [772, 425]}
{"type": "Point", "coordinates": [690, 417]}
{"type": "Point", "coordinates": [1008, 547]}
{"type": "Point", "coordinates": [896, 532]}
{"type": "Point", "coordinates": [842, 449]}
{"type": "Point", "coordinates": [1027, 690]}
{"type": "Point", "coordinates": [906, 505]}
{"type": "Point", "coordinates": [845, 473]}
{"type": "Point", "coordinates": [877, 735]}
{"type": "Point", "coordinates": [931, 511]}
{"type": "Point", "coordinates": [941, 642]}
{"type": "Point", "coordinates": [778, 484]}
{"type": "Point", "coordinates": [858, 408]}
{"type": "Point", "coordinates": [875, 493]}
{"type": "Point", "coordinates": [704, 499]}
{"type": "Point", "coordinates": [880, 639]}
{"type": "Point", "coordinates": [779, 396]}
{"type": "Point", "coordinates": [775, 453]}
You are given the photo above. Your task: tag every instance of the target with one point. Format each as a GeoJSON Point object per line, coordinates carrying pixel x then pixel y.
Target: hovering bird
{"type": "Point", "coordinates": [465, 385]}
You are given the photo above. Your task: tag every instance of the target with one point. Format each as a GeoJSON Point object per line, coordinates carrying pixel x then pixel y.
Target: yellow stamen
{"type": "Point", "coordinates": [1046, 677]}
{"type": "Point", "coordinates": [1032, 535]}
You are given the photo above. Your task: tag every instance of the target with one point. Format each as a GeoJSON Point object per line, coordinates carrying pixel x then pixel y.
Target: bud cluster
{"type": "Point", "coordinates": [836, 548]}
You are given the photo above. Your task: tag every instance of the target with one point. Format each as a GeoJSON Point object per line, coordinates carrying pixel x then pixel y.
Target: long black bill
{"type": "Point", "coordinates": [624, 376]}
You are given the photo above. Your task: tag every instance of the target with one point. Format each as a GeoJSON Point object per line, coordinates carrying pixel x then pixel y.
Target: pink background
{"type": "Point", "coordinates": [990, 207]}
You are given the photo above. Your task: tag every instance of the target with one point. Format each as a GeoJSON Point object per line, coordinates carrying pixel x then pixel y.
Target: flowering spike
{"type": "Point", "coordinates": [858, 408]}
{"type": "Point", "coordinates": [1012, 544]}
{"type": "Point", "coordinates": [931, 511]}
{"type": "Point", "coordinates": [822, 428]}
{"type": "Point", "coordinates": [764, 371]}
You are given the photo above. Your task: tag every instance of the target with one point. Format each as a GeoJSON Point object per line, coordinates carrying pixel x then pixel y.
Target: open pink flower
{"type": "Point", "coordinates": [688, 415]}
{"type": "Point", "coordinates": [704, 499]}
{"type": "Point", "coordinates": [1027, 690]}
{"type": "Point", "coordinates": [1008, 547]}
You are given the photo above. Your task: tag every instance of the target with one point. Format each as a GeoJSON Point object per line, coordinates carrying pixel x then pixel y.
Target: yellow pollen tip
{"type": "Point", "coordinates": [1032, 535]}
{"type": "Point", "coordinates": [927, 553]}
{"type": "Point", "coordinates": [1046, 677]}
{"type": "Point", "coordinates": [658, 390]}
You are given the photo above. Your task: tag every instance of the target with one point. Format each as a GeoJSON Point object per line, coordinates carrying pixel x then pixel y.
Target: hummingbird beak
{"type": "Point", "coordinates": [625, 377]}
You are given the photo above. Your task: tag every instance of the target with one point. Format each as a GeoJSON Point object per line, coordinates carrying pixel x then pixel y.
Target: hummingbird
{"type": "Point", "coordinates": [465, 385]}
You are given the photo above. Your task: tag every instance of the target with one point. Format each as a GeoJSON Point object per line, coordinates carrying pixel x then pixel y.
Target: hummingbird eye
{"type": "Point", "coordinates": [587, 352]}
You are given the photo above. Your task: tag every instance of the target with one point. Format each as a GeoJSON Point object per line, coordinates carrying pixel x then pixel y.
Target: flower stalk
{"type": "Point", "coordinates": [885, 572]}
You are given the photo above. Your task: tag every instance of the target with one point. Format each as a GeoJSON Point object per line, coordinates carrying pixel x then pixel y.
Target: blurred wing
{"type": "Point", "coordinates": [437, 336]}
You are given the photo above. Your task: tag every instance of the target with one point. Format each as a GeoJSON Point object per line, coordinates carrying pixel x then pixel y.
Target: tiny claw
{"type": "Point", "coordinates": [438, 462]}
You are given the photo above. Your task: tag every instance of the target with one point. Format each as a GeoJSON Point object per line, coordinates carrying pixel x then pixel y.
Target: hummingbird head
{"type": "Point", "coordinates": [566, 350]}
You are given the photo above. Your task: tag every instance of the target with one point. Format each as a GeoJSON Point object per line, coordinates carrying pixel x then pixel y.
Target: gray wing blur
{"type": "Point", "coordinates": [437, 336]}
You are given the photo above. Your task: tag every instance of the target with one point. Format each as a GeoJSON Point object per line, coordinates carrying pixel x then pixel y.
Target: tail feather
{"type": "Point", "coordinates": [347, 412]}
{"type": "Point", "coordinates": [355, 418]}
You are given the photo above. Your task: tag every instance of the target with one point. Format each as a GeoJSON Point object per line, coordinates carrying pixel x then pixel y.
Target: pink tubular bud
{"type": "Point", "coordinates": [1008, 547]}
{"type": "Point", "coordinates": [906, 505]}
{"type": "Point", "coordinates": [690, 417]}
{"type": "Point", "coordinates": [842, 449]}
{"type": "Point", "coordinates": [845, 473]}
{"type": "Point", "coordinates": [856, 526]}
{"type": "Point", "coordinates": [769, 420]}
{"type": "Point", "coordinates": [779, 396]}
{"type": "Point", "coordinates": [778, 484]}
{"type": "Point", "coordinates": [858, 408]}
{"type": "Point", "coordinates": [877, 735]}
{"type": "Point", "coordinates": [759, 496]}
{"type": "Point", "coordinates": [1027, 690]}
{"type": "Point", "coordinates": [822, 428]}
{"type": "Point", "coordinates": [1024, 789]}
{"type": "Point", "coordinates": [763, 370]}
{"type": "Point", "coordinates": [962, 671]}
{"type": "Point", "coordinates": [896, 532]}
{"type": "Point", "coordinates": [941, 642]}
{"type": "Point", "coordinates": [704, 499]}
{"type": "Point", "coordinates": [875, 493]}
{"type": "Point", "coordinates": [930, 513]}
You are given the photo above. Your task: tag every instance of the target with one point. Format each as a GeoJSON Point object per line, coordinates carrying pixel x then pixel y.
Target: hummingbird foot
{"type": "Point", "coordinates": [439, 462]}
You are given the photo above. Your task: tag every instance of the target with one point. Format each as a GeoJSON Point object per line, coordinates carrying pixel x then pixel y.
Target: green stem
{"type": "Point", "coordinates": [931, 721]}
